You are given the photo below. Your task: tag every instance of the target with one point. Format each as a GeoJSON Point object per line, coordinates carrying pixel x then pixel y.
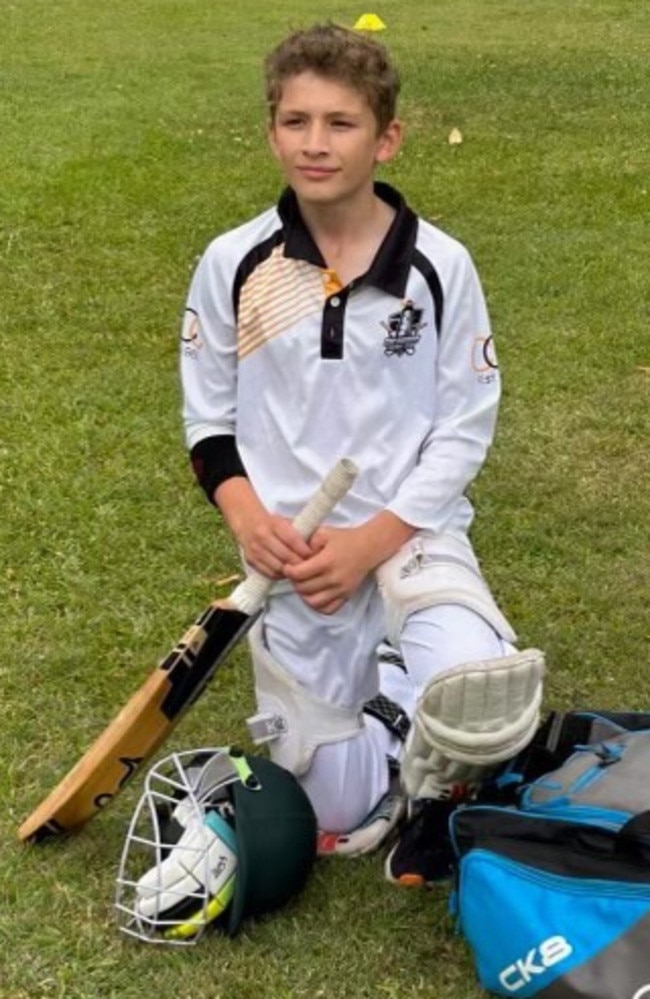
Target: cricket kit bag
{"type": "Point", "coordinates": [552, 885]}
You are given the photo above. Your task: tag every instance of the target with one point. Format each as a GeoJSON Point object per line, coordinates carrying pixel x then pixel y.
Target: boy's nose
{"type": "Point", "coordinates": [316, 140]}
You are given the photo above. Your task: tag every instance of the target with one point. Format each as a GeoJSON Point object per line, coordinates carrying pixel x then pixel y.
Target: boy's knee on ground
{"type": "Point", "coordinates": [346, 780]}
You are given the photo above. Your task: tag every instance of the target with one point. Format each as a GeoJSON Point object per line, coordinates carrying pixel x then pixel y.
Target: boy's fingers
{"type": "Point", "coordinates": [295, 545]}
{"type": "Point", "coordinates": [318, 541]}
{"type": "Point", "coordinates": [311, 586]}
{"type": "Point", "coordinates": [306, 572]}
{"type": "Point", "coordinates": [324, 601]}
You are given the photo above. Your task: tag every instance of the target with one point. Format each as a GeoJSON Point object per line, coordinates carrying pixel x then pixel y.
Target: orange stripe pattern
{"type": "Point", "coordinates": [277, 296]}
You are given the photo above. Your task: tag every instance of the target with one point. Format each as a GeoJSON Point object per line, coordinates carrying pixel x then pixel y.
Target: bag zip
{"type": "Point", "coordinates": [607, 818]}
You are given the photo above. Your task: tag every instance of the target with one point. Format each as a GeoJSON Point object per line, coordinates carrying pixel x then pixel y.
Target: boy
{"type": "Point", "coordinates": [339, 324]}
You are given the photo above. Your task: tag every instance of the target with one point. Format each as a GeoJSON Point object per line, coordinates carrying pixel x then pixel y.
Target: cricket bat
{"type": "Point", "coordinates": [155, 709]}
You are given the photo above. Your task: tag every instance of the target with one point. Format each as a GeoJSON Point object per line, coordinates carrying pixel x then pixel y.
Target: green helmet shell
{"type": "Point", "coordinates": [276, 831]}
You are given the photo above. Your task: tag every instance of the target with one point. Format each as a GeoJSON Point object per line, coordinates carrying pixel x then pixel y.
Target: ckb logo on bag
{"type": "Point", "coordinates": [538, 960]}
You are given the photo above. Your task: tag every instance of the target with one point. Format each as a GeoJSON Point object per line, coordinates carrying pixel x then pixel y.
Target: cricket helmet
{"type": "Point", "coordinates": [216, 837]}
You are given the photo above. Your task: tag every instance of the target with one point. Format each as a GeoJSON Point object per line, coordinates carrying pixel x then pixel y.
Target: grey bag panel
{"type": "Point", "coordinates": [620, 971]}
{"type": "Point", "coordinates": [613, 775]}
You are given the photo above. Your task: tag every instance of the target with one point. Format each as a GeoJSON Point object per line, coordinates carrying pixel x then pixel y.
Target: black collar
{"type": "Point", "coordinates": [389, 270]}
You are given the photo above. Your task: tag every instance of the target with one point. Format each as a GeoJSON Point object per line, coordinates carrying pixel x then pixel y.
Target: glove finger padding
{"type": "Point", "coordinates": [469, 720]}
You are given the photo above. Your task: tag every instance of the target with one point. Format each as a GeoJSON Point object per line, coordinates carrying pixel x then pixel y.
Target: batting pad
{"type": "Point", "coordinates": [469, 720]}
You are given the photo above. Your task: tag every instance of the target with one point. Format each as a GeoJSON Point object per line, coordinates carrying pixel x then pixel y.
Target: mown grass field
{"type": "Point", "coordinates": [131, 133]}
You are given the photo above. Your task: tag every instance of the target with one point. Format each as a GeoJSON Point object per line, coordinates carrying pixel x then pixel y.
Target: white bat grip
{"type": "Point", "coordinates": [250, 595]}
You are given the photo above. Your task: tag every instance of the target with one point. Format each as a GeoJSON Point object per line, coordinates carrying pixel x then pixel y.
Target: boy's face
{"type": "Point", "coordinates": [325, 137]}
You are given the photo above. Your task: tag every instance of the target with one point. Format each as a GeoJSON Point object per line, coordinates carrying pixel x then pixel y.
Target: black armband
{"type": "Point", "coordinates": [214, 460]}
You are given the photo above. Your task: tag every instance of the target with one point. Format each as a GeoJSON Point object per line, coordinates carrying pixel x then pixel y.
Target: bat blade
{"type": "Point", "coordinates": [141, 726]}
{"type": "Point", "coordinates": [155, 709]}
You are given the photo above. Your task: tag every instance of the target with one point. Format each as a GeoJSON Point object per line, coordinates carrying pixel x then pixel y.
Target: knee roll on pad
{"type": "Point", "coordinates": [469, 720]}
{"type": "Point", "coordinates": [436, 569]}
{"type": "Point", "coordinates": [292, 720]}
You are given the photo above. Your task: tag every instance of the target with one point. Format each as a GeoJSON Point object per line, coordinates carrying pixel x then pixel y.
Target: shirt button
{"type": "Point", "coordinates": [335, 301]}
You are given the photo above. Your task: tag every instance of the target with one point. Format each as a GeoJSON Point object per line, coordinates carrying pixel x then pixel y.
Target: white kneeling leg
{"type": "Point", "coordinates": [291, 719]}
{"type": "Point", "coordinates": [469, 720]}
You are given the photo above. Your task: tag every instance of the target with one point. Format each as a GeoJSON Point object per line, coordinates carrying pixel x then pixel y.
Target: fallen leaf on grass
{"type": "Point", "coordinates": [227, 580]}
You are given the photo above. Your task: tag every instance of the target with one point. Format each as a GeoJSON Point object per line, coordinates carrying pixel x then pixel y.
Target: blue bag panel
{"type": "Point", "coordinates": [529, 929]}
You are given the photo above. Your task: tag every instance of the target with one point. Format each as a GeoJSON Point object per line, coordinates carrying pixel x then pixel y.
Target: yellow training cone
{"type": "Point", "coordinates": [369, 22]}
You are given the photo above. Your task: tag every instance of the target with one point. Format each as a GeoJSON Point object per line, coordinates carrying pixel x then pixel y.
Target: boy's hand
{"type": "Point", "coordinates": [270, 544]}
{"type": "Point", "coordinates": [342, 557]}
{"type": "Point", "coordinates": [338, 562]}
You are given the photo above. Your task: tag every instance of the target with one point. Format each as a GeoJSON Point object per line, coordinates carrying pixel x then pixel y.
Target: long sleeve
{"type": "Point", "coordinates": [467, 388]}
{"type": "Point", "coordinates": [208, 357]}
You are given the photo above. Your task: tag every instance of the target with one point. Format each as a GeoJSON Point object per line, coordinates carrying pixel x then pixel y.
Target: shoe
{"type": "Point", "coordinates": [423, 854]}
{"type": "Point", "coordinates": [372, 832]}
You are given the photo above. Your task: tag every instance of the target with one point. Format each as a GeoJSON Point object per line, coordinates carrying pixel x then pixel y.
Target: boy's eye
{"type": "Point", "coordinates": [296, 122]}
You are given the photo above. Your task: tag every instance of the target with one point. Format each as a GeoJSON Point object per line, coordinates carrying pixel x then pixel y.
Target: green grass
{"type": "Point", "coordinates": [132, 133]}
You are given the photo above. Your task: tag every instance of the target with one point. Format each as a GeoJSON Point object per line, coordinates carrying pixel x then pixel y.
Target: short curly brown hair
{"type": "Point", "coordinates": [336, 53]}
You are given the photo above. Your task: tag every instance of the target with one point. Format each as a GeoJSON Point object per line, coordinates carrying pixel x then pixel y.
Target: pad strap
{"type": "Point", "coordinates": [390, 714]}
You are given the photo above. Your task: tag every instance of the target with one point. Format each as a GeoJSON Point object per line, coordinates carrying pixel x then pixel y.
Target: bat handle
{"type": "Point", "coordinates": [250, 595]}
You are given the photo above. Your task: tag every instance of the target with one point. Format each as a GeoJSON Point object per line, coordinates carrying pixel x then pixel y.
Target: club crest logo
{"type": "Point", "coordinates": [403, 329]}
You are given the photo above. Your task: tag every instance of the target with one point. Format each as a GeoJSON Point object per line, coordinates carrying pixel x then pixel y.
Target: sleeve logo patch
{"type": "Point", "coordinates": [484, 359]}
{"type": "Point", "coordinates": [191, 339]}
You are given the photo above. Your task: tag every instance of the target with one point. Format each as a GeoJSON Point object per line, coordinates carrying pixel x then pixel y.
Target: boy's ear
{"type": "Point", "coordinates": [389, 141]}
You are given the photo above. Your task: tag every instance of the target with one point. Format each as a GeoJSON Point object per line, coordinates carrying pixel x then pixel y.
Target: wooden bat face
{"type": "Point", "coordinates": [141, 726]}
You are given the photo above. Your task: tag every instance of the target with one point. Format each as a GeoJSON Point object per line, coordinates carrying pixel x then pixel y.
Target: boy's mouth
{"type": "Point", "coordinates": [316, 172]}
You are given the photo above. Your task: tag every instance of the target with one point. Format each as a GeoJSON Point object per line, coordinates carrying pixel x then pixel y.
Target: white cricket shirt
{"type": "Point", "coordinates": [396, 371]}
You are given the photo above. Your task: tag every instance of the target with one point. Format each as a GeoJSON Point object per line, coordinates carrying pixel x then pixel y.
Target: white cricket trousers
{"type": "Point", "coordinates": [335, 656]}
